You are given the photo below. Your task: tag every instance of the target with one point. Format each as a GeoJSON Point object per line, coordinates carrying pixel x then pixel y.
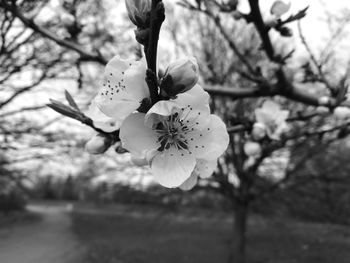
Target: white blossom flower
{"type": "Point", "coordinates": [123, 89]}
{"type": "Point", "coordinates": [273, 118]}
{"type": "Point", "coordinates": [174, 134]}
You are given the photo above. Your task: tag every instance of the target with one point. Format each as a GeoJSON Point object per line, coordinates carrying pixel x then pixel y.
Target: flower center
{"type": "Point", "coordinates": [171, 133]}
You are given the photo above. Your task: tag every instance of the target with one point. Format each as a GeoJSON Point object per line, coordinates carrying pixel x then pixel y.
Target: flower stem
{"type": "Point", "coordinates": [156, 20]}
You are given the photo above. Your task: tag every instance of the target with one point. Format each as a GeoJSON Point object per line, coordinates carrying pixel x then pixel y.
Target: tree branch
{"type": "Point", "coordinates": [46, 33]}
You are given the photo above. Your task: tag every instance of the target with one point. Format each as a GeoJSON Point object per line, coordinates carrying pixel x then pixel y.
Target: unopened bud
{"type": "Point", "coordinates": [280, 7]}
{"type": "Point", "coordinates": [142, 35]}
{"type": "Point", "coordinates": [237, 15]}
{"type": "Point", "coordinates": [258, 131]}
{"type": "Point", "coordinates": [180, 76]}
{"type": "Point", "coordinates": [322, 110]}
{"type": "Point", "coordinates": [285, 31]}
{"type": "Point", "coordinates": [138, 12]}
{"type": "Point", "coordinates": [323, 101]}
{"type": "Point", "coordinates": [98, 144]}
{"type": "Point", "coordinates": [342, 112]}
{"type": "Point", "coordinates": [67, 19]}
{"type": "Point", "coordinates": [252, 149]}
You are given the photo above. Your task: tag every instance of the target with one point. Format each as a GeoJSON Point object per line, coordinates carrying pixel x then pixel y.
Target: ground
{"type": "Point", "coordinates": [138, 234]}
{"type": "Point", "coordinates": [48, 240]}
{"type": "Point", "coordinates": [86, 233]}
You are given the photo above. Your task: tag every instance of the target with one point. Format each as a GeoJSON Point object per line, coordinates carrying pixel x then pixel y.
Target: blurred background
{"type": "Point", "coordinates": [60, 204]}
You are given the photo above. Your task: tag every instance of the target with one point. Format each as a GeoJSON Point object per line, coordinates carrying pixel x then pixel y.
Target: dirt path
{"type": "Point", "coordinates": [47, 241]}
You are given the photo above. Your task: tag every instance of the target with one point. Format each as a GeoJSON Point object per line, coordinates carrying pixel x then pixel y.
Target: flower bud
{"type": "Point", "coordinates": [98, 144]}
{"type": "Point", "coordinates": [180, 76]}
{"type": "Point", "coordinates": [258, 131]}
{"type": "Point", "coordinates": [67, 19]}
{"type": "Point", "coordinates": [342, 112]}
{"type": "Point", "coordinates": [280, 7]}
{"type": "Point", "coordinates": [323, 101]}
{"type": "Point", "coordinates": [138, 12]}
{"type": "Point", "coordinates": [237, 15]}
{"type": "Point", "coordinates": [252, 149]}
{"type": "Point", "coordinates": [322, 110]}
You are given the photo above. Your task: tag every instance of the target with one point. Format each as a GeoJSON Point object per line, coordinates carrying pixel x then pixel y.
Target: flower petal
{"type": "Point", "coordinates": [135, 79]}
{"type": "Point", "coordinates": [205, 168]}
{"type": "Point", "coordinates": [138, 139]}
{"type": "Point", "coordinates": [196, 98]}
{"type": "Point", "coordinates": [172, 167]}
{"type": "Point", "coordinates": [189, 183]}
{"type": "Point", "coordinates": [123, 89]}
{"type": "Point", "coordinates": [210, 142]}
{"type": "Point", "coordinates": [100, 120]}
{"type": "Point", "coordinates": [193, 107]}
{"type": "Point", "coordinates": [271, 106]}
{"type": "Point", "coordinates": [262, 116]}
{"type": "Point", "coordinates": [280, 7]}
{"type": "Point", "coordinates": [282, 116]}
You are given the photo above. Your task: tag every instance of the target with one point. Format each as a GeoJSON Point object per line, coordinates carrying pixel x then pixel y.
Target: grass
{"type": "Point", "coordinates": [17, 218]}
{"type": "Point", "coordinates": [134, 234]}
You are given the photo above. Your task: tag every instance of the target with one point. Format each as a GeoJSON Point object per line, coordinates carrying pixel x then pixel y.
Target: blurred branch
{"type": "Point", "coordinates": [33, 108]}
{"type": "Point", "coordinates": [314, 61]}
{"type": "Point", "coordinates": [217, 21]}
{"type": "Point", "coordinates": [43, 76]}
{"type": "Point", "coordinates": [87, 56]}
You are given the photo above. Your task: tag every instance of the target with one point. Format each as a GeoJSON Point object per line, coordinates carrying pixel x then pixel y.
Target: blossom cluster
{"type": "Point", "coordinates": [177, 137]}
{"type": "Point", "coordinates": [271, 123]}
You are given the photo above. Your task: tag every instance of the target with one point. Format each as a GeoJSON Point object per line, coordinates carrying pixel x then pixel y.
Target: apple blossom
{"type": "Point", "coordinates": [180, 76]}
{"type": "Point", "coordinates": [174, 134]}
{"type": "Point", "coordinates": [273, 118]}
{"type": "Point", "coordinates": [122, 92]}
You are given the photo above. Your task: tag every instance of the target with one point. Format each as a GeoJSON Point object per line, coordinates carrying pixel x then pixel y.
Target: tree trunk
{"type": "Point", "coordinates": [239, 233]}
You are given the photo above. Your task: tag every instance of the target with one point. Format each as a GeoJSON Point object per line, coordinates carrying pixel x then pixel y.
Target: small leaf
{"type": "Point", "coordinates": [301, 14]}
{"type": "Point", "coordinates": [70, 100]}
{"type": "Point", "coordinates": [64, 110]}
